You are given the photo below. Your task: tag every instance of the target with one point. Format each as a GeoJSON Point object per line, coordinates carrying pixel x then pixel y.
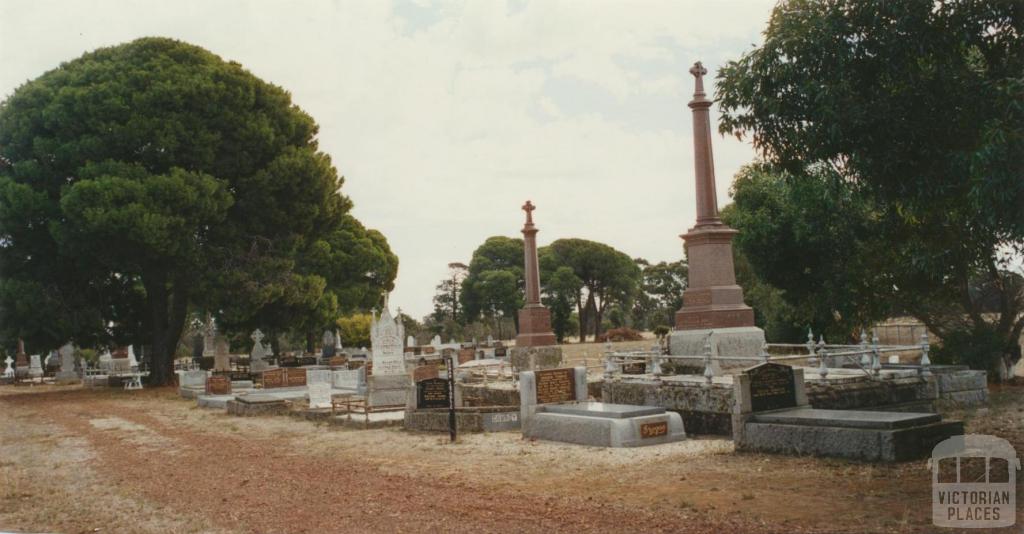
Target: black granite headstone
{"type": "Point", "coordinates": [432, 393]}
{"type": "Point", "coordinates": [771, 387]}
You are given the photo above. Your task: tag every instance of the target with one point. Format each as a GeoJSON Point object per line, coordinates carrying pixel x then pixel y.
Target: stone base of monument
{"type": "Point", "coordinates": [861, 435]}
{"type": "Point", "coordinates": [256, 404]}
{"type": "Point", "coordinates": [745, 341]}
{"type": "Point", "coordinates": [387, 390]}
{"type": "Point", "coordinates": [67, 377]}
{"type": "Point", "coordinates": [604, 425]}
{"type": "Point", "coordinates": [534, 358]}
{"type": "Point", "coordinates": [470, 419]}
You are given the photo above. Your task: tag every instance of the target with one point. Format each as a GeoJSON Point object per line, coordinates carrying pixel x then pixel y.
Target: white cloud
{"type": "Point", "coordinates": [445, 117]}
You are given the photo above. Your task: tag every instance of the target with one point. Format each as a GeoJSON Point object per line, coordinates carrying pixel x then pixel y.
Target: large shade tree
{"type": "Point", "coordinates": [917, 108]}
{"type": "Point", "coordinates": [144, 179]}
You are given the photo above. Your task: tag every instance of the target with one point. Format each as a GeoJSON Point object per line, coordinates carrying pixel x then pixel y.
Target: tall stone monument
{"type": "Point", "coordinates": [388, 382]}
{"type": "Point", "coordinates": [21, 360]}
{"type": "Point", "coordinates": [713, 309]}
{"type": "Point", "coordinates": [536, 346]}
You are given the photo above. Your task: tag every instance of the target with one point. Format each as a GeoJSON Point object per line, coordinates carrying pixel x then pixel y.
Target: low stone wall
{"type": "Point", "coordinates": [705, 410]}
{"type": "Point", "coordinates": [482, 395]}
{"type": "Point", "coordinates": [862, 394]}
{"type": "Point", "coordinates": [483, 419]}
{"type": "Point", "coordinates": [962, 389]}
{"type": "Point", "coordinates": [243, 409]}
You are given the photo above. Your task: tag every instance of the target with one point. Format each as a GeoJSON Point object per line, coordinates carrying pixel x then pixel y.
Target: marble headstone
{"type": "Point", "coordinates": [35, 366]}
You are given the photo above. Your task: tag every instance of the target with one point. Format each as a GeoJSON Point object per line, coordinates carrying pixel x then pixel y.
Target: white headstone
{"type": "Point", "coordinates": [133, 362]}
{"type": "Point", "coordinates": [195, 378]}
{"type": "Point", "coordinates": [436, 342]}
{"type": "Point", "coordinates": [410, 341]}
{"type": "Point", "coordinates": [337, 341]}
{"type": "Point", "coordinates": [490, 340]}
{"type": "Point", "coordinates": [35, 366]}
{"type": "Point", "coordinates": [386, 341]}
{"type": "Point", "coordinates": [106, 356]}
{"type": "Point", "coordinates": [9, 371]}
{"type": "Point", "coordinates": [319, 394]}
{"type": "Point", "coordinates": [210, 338]}
{"type": "Point", "coordinates": [67, 358]}
{"type": "Point", "coordinates": [259, 352]}
{"type": "Point", "coordinates": [327, 339]}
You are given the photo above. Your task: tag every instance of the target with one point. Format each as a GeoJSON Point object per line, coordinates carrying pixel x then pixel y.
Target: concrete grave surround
{"type": "Point", "coordinates": [318, 376]}
{"type": "Point", "coordinates": [864, 435]}
{"type": "Point", "coordinates": [712, 301]}
{"type": "Point", "coordinates": [534, 318]}
{"type": "Point", "coordinates": [592, 423]}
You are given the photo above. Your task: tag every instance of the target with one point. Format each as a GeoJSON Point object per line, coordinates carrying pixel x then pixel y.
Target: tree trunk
{"type": "Point", "coordinates": [168, 312]}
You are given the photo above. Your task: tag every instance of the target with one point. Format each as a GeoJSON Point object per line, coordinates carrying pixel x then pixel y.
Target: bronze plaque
{"type": "Point", "coordinates": [296, 376]}
{"type": "Point", "coordinates": [771, 387]}
{"type": "Point", "coordinates": [424, 372]}
{"type": "Point", "coordinates": [273, 378]}
{"type": "Point", "coordinates": [218, 385]}
{"type": "Point", "coordinates": [555, 385]}
{"type": "Point", "coordinates": [653, 430]}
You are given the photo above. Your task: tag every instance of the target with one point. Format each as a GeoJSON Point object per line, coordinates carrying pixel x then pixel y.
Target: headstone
{"type": "Point", "coordinates": [210, 338]}
{"type": "Point", "coordinates": [67, 365]}
{"type": "Point", "coordinates": [424, 372]}
{"type": "Point", "coordinates": [192, 379]}
{"type": "Point", "coordinates": [295, 377]}
{"type": "Point", "coordinates": [490, 340]}
{"type": "Point", "coordinates": [772, 387]}
{"type": "Point", "coordinates": [218, 385]}
{"type": "Point", "coordinates": [35, 366]}
{"type": "Point", "coordinates": [410, 341]}
{"type": "Point", "coordinates": [500, 352]}
{"type": "Point", "coordinates": [327, 346]}
{"type": "Point", "coordinates": [257, 363]}
{"type": "Point", "coordinates": [273, 378]}
{"type": "Point", "coordinates": [345, 379]}
{"type": "Point", "coordinates": [52, 360]}
{"type": "Point", "coordinates": [466, 355]}
{"type": "Point", "coordinates": [337, 342]}
{"type": "Point", "coordinates": [9, 371]}
{"type": "Point", "coordinates": [133, 362]}
{"type": "Point", "coordinates": [386, 336]}
{"type": "Point", "coordinates": [436, 342]}
{"type": "Point", "coordinates": [319, 394]}
{"type": "Point", "coordinates": [21, 359]}
{"type": "Point", "coordinates": [432, 393]}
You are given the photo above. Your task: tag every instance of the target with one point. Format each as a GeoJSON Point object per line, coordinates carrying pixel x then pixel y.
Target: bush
{"type": "Point", "coordinates": [661, 331]}
{"type": "Point", "coordinates": [620, 334]}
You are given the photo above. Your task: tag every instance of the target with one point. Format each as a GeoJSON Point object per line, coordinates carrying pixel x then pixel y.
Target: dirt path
{"type": "Point", "coordinates": [77, 460]}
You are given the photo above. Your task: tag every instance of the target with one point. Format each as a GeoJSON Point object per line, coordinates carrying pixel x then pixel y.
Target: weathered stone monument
{"type": "Point", "coordinates": [319, 394]}
{"type": "Point", "coordinates": [713, 310]}
{"type": "Point", "coordinates": [327, 344]}
{"type": "Point", "coordinates": [536, 346]}
{"type": "Point", "coordinates": [67, 374]}
{"type": "Point", "coordinates": [257, 361]}
{"type": "Point", "coordinates": [133, 362]}
{"type": "Point", "coordinates": [35, 366]}
{"type": "Point", "coordinates": [21, 360]}
{"type": "Point", "coordinates": [387, 382]}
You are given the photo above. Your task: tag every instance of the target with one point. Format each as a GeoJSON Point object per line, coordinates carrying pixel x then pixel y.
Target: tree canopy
{"type": "Point", "coordinates": [907, 117]}
{"type": "Point", "coordinates": [140, 180]}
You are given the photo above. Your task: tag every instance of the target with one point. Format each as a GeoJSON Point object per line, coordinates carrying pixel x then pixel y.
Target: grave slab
{"type": "Point", "coordinates": [601, 409]}
{"type": "Point", "coordinates": [847, 418]}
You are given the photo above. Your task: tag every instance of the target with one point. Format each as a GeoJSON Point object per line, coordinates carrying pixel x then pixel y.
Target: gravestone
{"type": "Point", "coordinates": [327, 346]}
{"type": "Point", "coordinates": [295, 377]}
{"type": "Point", "coordinates": [67, 374]}
{"type": "Point", "coordinates": [433, 393]}
{"type": "Point", "coordinates": [387, 381]}
{"type": "Point", "coordinates": [424, 372]}
{"type": "Point", "coordinates": [9, 371]}
{"type": "Point", "coordinates": [257, 361]}
{"type": "Point", "coordinates": [466, 355]}
{"type": "Point", "coordinates": [500, 352]}
{"type": "Point", "coordinates": [193, 379]}
{"type": "Point", "coordinates": [337, 342]}
{"type": "Point", "coordinates": [133, 362]}
{"type": "Point", "coordinates": [410, 341]}
{"type": "Point", "coordinates": [319, 395]}
{"type": "Point", "coordinates": [218, 385]}
{"type": "Point", "coordinates": [273, 378]}
{"type": "Point", "coordinates": [35, 366]}
{"type": "Point", "coordinates": [209, 338]}
{"type": "Point", "coordinates": [772, 386]}
{"type": "Point", "coordinates": [555, 385]}
{"type": "Point", "coordinates": [345, 379]}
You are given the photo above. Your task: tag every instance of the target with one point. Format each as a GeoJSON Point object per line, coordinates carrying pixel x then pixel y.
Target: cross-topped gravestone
{"type": "Point", "coordinates": [9, 371]}
{"type": "Point", "coordinates": [534, 318]}
{"type": "Point", "coordinates": [528, 208]}
{"type": "Point", "coordinates": [698, 71]}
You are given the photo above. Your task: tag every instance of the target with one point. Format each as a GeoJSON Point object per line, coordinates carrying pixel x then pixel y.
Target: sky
{"type": "Point", "coordinates": [445, 117]}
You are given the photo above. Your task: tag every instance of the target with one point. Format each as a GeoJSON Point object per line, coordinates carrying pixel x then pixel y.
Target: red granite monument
{"type": "Point", "coordinates": [713, 309]}
{"type": "Point", "coordinates": [534, 318]}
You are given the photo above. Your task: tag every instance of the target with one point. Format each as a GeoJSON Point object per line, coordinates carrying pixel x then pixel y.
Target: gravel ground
{"type": "Point", "coordinates": [74, 460]}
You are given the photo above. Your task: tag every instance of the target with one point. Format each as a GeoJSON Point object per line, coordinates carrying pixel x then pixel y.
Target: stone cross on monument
{"type": "Point", "coordinates": [9, 371]}
{"type": "Point", "coordinates": [534, 318]}
{"type": "Point", "coordinates": [712, 302]}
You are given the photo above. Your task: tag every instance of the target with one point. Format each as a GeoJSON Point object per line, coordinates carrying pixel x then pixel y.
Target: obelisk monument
{"type": "Point", "coordinates": [536, 346]}
{"type": "Point", "coordinates": [713, 304]}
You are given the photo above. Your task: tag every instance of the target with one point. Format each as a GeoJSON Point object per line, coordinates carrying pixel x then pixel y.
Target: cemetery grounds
{"type": "Point", "coordinates": [103, 460]}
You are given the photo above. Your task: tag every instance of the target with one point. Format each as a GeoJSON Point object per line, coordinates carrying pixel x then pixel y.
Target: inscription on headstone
{"type": "Point", "coordinates": [432, 393]}
{"type": "Point", "coordinates": [295, 376]}
{"type": "Point", "coordinates": [771, 387]}
{"type": "Point", "coordinates": [555, 385]}
{"type": "Point", "coordinates": [273, 378]}
{"type": "Point", "coordinates": [218, 385]}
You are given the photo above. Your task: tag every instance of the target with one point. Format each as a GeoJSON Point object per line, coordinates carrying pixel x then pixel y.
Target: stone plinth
{"type": "Point", "coordinates": [533, 358]}
{"type": "Point", "coordinates": [745, 342]}
{"type": "Point", "coordinates": [387, 390]}
{"type": "Point", "coordinates": [535, 328]}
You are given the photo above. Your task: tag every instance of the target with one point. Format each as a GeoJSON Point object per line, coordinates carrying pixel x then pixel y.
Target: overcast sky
{"type": "Point", "coordinates": [444, 117]}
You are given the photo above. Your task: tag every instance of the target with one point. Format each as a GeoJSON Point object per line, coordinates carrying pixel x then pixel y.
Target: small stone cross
{"type": "Point", "coordinates": [698, 71]}
{"type": "Point", "coordinates": [528, 208]}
